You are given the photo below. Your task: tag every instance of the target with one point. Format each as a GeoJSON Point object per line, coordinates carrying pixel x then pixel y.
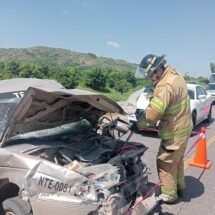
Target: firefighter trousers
{"type": "Point", "coordinates": [170, 165]}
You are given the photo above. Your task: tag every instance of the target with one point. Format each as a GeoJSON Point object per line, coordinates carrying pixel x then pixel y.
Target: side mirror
{"type": "Point", "coordinates": [202, 97]}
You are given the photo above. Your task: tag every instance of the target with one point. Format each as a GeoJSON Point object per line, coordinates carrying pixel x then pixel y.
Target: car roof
{"type": "Point", "coordinates": [19, 84]}
{"type": "Point", "coordinates": [192, 86]}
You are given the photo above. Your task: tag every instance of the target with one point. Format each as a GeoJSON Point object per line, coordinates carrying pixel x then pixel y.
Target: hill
{"type": "Point", "coordinates": [112, 77]}
{"type": "Point", "coordinates": [60, 57]}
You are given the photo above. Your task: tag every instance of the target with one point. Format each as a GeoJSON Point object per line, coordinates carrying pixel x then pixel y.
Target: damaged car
{"type": "Point", "coordinates": [58, 156]}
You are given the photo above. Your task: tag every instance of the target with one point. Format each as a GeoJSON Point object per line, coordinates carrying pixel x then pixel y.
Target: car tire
{"type": "Point", "coordinates": [7, 191]}
{"type": "Point", "coordinates": [194, 119]}
{"type": "Point", "coordinates": [16, 206]}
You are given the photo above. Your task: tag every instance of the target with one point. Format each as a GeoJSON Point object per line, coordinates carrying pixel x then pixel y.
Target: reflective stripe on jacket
{"type": "Point", "coordinates": [171, 105]}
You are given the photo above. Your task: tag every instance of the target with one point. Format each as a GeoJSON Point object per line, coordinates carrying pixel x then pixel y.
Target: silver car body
{"type": "Point", "coordinates": [53, 157]}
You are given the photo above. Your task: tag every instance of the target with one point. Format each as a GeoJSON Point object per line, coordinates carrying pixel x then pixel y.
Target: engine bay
{"type": "Point", "coordinates": [86, 148]}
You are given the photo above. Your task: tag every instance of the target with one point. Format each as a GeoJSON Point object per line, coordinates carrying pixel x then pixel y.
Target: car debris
{"type": "Point", "coordinates": [58, 156]}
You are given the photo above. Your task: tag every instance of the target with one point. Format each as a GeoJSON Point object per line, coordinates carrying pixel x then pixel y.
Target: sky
{"type": "Point", "coordinates": [120, 29]}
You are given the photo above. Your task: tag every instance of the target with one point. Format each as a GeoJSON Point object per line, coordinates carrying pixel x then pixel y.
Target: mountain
{"type": "Point", "coordinates": [59, 56]}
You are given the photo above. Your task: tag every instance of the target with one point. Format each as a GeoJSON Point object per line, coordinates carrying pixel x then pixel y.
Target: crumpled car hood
{"type": "Point", "coordinates": [43, 108]}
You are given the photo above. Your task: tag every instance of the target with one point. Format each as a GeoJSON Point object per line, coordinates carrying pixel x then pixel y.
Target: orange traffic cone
{"type": "Point", "coordinates": [200, 158]}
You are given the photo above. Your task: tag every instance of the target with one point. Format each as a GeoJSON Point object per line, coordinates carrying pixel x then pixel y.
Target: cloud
{"type": "Point", "coordinates": [113, 44]}
{"type": "Point", "coordinates": [66, 12]}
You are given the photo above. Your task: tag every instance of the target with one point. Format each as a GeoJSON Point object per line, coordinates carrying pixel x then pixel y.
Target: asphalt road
{"type": "Point", "coordinates": [199, 196]}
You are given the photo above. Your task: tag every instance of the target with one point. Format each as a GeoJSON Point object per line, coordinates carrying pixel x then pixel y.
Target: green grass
{"type": "Point", "coordinates": [111, 93]}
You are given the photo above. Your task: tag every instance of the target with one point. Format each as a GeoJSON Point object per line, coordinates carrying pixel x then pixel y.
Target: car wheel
{"type": "Point", "coordinates": [16, 206]}
{"type": "Point", "coordinates": [209, 114]}
{"type": "Point", "coordinates": [7, 191]}
{"type": "Point", "coordinates": [194, 119]}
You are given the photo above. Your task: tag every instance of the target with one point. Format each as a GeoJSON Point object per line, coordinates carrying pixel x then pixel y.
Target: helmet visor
{"type": "Point", "coordinates": [142, 73]}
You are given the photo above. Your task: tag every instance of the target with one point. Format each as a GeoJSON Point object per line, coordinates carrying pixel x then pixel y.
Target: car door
{"type": "Point", "coordinates": [201, 96]}
{"type": "Point", "coordinates": [207, 103]}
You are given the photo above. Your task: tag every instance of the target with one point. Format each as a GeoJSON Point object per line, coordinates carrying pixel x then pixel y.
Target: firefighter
{"type": "Point", "coordinates": [170, 106]}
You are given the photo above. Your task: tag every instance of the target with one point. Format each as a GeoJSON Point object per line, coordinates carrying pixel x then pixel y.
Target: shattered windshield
{"type": "Point", "coordinates": [59, 132]}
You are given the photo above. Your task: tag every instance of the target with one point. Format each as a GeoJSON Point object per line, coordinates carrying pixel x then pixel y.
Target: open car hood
{"type": "Point", "coordinates": [43, 108]}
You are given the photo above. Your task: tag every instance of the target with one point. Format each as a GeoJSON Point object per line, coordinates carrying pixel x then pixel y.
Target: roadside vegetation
{"type": "Point", "coordinates": [113, 78]}
{"type": "Point", "coordinates": [114, 83]}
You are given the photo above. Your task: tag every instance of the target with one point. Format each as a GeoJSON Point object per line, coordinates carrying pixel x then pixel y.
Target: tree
{"type": "Point", "coordinates": [30, 71]}
{"type": "Point", "coordinates": [114, 77]}
{"type": "Point", "coordinates": [122, 86]}
{"type": "Point", "coordinates": [144, 82]}
{"type": "Point", "coordinates": [189, 78]}
{"type": "Point", "coordinates": [2, 66]}
{"type": "Point", "coordinates": [130, 78]}
{"type": "Point", "coordinates": [68, 77]}
{"type": "Point", "coordinates": [13, 69]}
{"type": "Point", "coordinates": [44, 70]}
{"type": "Point", "coordinates": [96, 79]}
{"type": "Point", "coordinates": [202, 81]}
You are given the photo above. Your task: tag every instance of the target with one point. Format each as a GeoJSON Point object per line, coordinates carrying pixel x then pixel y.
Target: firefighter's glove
{"type": "Point", "coordinates": [141, 119]}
